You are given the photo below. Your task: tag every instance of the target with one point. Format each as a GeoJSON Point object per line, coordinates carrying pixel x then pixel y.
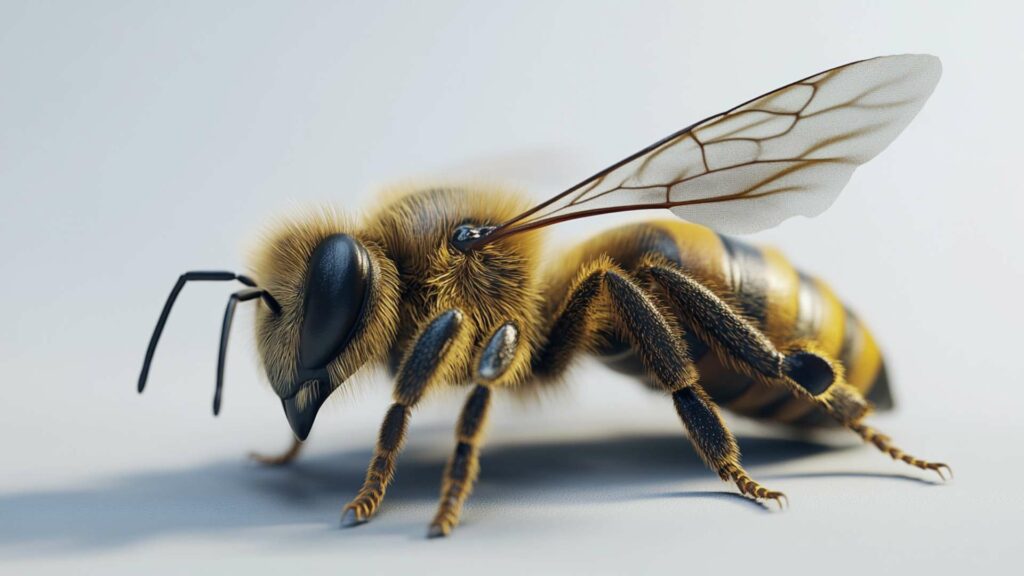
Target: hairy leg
{"type": "Point", "coordinates": [816, 377]}
{"type": "Point", "coordinates": [662, 351]}
{"type": "Point", "coordinates": [423, 366]}
{"type": "Point", "coordinates": [884, 443]}
{"type": "Point", "coordinates": [464, 465]}
{"type": "Point", "coordinates": [737, 341]}
{"type": "Point", "coordinates": [848, 406]}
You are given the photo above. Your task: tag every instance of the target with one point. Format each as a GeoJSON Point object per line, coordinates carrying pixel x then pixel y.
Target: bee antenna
{"type": "Point", "coordinates": [199, 275]}
{"type": "Point", "coordinates": [229, 315]}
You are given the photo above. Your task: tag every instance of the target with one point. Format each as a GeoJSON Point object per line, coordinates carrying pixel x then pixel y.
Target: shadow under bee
{"type": "Point", "coordinates": [229, 495]}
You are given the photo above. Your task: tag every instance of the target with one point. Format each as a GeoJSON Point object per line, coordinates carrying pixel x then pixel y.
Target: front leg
{"type": "Point", "coordinates": [424, 365]}
{"type": "Point", "coordinates": [464, 466]}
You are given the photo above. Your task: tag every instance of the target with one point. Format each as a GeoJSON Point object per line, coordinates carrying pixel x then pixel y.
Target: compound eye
{"type": "Point", "coordinates": [337, 286]}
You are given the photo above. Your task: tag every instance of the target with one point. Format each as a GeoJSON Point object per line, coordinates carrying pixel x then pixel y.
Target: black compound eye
{"type": "Point", "coordinates": [337, 286]}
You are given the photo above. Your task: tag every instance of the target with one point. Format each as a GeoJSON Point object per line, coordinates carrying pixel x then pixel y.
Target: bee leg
{"type": "Point", "coordinates": [464, 466]}
{"type": "Point", "coordinates": [282, 459]}
{"type": "Point", "coordinates": [884, 443]}
{"type": "Point", "coordinates": [664, 354]}
{"type": "Point", "coordinates": [423, 365]}
{"type": "Point", "coordinates": [805, 372]}
{"type": "Point", "coordinates": [848, 406]}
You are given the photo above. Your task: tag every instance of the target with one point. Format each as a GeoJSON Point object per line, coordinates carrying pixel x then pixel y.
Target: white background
{"type": "Point", "coordinates": [139, 140]}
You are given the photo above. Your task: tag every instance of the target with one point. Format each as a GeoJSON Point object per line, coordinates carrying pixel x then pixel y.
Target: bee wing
{"type": "Point", "coordinates": [785, 153]}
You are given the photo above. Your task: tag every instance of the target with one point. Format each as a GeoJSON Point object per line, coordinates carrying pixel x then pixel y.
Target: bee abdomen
{"type": "Point", "coordinates": [764, 287]}
{"type": "Point", "coordinates": [790, 306]}
{"type": "Point", "coordinates": [786, 305]}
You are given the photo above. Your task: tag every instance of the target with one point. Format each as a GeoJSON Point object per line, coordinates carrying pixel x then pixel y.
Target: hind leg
{"type": "Point", "coordinates": [663, 353]}
{"type": "Point", "coordinates": [848, 406]}
{"type": "Point", "coordinates": [884, 443]}
{"type": "Point", "coordinates": [806, 374]}
{"type": "Point", "coordinates": [735, 340]}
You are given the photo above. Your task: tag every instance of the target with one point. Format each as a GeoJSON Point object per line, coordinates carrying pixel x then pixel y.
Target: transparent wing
{"type": "Point", "coordinates": [783, 154]}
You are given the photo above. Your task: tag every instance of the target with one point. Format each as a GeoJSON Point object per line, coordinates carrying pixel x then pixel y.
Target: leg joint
{"type": "Point", "coordinates": [474, 414]}
{"type": "Point", "coordinates": [498, 354]}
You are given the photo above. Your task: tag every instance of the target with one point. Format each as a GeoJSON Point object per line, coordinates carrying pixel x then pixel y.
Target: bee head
{"type": "Point", "coordinates": [329, 306]}
{"type": "Point", "coordinates": [338, 311]}
{"type": "Point", "coordinates": [334, 301]}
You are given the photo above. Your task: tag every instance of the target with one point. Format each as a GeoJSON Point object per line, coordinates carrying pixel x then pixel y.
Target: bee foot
{"type": "Point", "coordinates": [884, 443]}
{"type": "Point", "coordinates": [751, 488]}
{"type": "Point", "coordinates": [438, 531]}
{"type": "Point", "coordinates": [349, 518]}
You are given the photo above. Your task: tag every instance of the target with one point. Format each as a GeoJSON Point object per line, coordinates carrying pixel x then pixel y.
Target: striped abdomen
{"type": "Point", "coordinates": [783, 303]}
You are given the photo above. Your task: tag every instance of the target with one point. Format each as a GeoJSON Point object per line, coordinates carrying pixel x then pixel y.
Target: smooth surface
{"type": "Point", "coordinates": [140, 140]}
{"type": "Point", "coordinates": [337, 281]}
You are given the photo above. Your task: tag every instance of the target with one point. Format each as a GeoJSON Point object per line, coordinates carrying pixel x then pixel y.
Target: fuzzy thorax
{"type": "Point", "coordinates": [495, 284]}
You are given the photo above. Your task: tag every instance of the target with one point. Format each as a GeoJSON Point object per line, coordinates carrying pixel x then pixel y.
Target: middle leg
{"type": "Point", "coordinates": [663, 353]}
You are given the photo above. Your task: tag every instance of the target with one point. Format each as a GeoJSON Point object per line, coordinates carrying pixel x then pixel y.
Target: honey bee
{"type": "Point", "coordinates": [444, 286]}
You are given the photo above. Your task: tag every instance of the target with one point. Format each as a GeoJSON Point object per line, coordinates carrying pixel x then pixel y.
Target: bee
{"type": "Point", "coordinates": [444, 286]}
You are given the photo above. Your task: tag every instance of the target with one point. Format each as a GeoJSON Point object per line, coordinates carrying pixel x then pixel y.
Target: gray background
{"type": "Point", "coordinates": [138, 140]}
